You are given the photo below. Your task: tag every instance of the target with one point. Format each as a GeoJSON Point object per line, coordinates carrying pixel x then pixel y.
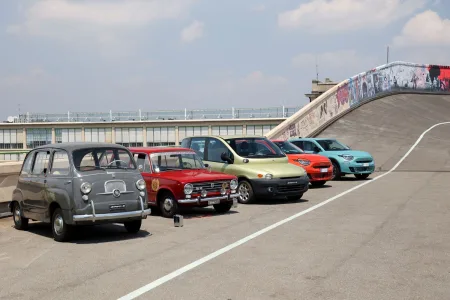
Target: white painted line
{"type": "Point", "coordinates": [176, 273]}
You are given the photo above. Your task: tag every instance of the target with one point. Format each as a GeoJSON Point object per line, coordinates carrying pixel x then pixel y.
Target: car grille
{"type": "Point", "coordinates": [321, 165]}
{"type": "Point", "coordinates": [112, 185]}
{"type": "Point", "coordinates": [361, 169]}
{"type": "Point", "coordinates": [213, 186]}
{"type": "Point", "coordinates": [291, 188]}
{"type": "Point", "coordinates": [364, 160]}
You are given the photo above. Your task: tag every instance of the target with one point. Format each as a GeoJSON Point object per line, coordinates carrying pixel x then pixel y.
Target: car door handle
{"type": "Point", "coordinates": [68, 182]}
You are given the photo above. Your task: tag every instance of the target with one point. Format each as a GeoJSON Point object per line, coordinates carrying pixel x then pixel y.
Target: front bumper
{"type": "Point", "coordinates": [320, 174]}
{"type": "Point", "coordinates": [143, 213]}
{"type": "Point", "coordinates": [207, 200]}
{"type": "Point", "coordinates": [357, 168]}
{"type": "Point", "coordinates": [280, 188]}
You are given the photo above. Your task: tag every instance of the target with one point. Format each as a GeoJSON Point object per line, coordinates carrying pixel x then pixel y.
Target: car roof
{"type": "Point", "coordinates": [309, 139]}
{"type": "Point", "coordinates": [159, 149]}
{"type": "Point", "coordinates": [73, 146]}
{"type": "Point", "coordinates": [225, 137]}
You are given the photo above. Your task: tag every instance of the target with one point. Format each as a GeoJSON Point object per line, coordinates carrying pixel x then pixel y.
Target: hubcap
{"type": "Point", "coordinates": [17, 214]}
{"type": "Point", "coordinates": [58, 224]}
{"type": "Point", "coordinates": [244, 192]}
{"type": "Point", "coordinates": [168, 204]}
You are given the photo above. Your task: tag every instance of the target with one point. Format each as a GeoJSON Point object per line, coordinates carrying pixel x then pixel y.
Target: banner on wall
{"type": "Point", "coordinates": [383, 80]}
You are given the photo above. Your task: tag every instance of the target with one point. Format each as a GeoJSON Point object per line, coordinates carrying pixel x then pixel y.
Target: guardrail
{"type": "Point", "coordinates": [393, 78]}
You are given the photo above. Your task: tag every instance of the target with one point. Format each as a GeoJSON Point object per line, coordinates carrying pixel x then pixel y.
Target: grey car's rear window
{"type": "Point", "coordinates": [102, 158]}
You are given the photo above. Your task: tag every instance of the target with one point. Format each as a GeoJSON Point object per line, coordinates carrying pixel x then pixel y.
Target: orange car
{"type": "Point", "coordinates": [318, 167]}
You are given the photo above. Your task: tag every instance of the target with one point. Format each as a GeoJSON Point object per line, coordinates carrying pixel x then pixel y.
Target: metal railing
{"type": "Point", "coordinates": [207, 114]}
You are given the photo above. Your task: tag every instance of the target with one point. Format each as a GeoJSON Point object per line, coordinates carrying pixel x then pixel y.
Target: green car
{"type": "Point", "coordinates": [261, 167]}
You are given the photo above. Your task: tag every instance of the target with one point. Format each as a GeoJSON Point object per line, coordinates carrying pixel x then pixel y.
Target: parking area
{"type": "Point", "coordinates": [388, 239]}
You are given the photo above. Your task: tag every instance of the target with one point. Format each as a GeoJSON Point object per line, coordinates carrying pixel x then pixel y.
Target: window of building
{"type": "Point", "coordinates": [38, 137]}
{"type": "Point", "coordinates": [65, 135]}
{"type": "Point", "coordinates": [101, 135]}
{"type": "Point", "coordinates": [260, 129]}
{"type": "Point", "coordinates": [11, 139]}
{"type": "Point", "coordinates": [160, 136]}
{"type": "Point", "coordinates": [188, 131]}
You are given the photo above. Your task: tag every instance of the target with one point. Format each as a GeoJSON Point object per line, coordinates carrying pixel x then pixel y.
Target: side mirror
{"type": "Point", "coordinates": [207, 165]}
{"type": "Point", "coordinates": [141, 168]}
{"type": "Point", "coordinates": [224, 156]}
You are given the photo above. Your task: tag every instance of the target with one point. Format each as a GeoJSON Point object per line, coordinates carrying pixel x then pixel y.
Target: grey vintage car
{"type": "Point", "coordinates": [71, 184]}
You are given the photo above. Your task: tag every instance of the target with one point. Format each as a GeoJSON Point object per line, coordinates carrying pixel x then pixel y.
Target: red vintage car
{"type": "Point", "coordinates": [178, 177]}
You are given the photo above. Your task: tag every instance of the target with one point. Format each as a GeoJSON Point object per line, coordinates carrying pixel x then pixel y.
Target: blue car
{"type": "Point", "coordinates": [344, 159]}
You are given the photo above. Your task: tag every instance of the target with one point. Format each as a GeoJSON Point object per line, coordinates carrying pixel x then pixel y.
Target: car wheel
{"type": "Point", "coordinates": [223, 207]}
{"type": "Point", "coordinates": [318, 183]}
{"type": "Point", "coordinates": [245, 190]}
{"type": "Point", "coordinates": [133, 226]}
{"type": "Point", "coordinates": [361, 176]}
{"type": "Point", "coordinates": [336, 171]}
{"type": "Point", "coordinates": [168, 205]}
{"type": "Point", "coordinates": [20, 222]}
{"type": "Point", "coordinates": [61, 230]}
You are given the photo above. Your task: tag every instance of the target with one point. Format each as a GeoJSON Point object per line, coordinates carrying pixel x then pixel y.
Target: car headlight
{"type": "Point", "coordinates": [188, 189]}
{"type": "Point", "coordinates": [304, 162]}
{"type": "Point", "coordinates": [268, 176]}
{"type": "Point", "coordinates": [233, 184]}
{"type": "Point", "coordinates": [140, 184]}
{"type": "Point", "coordinates": [346, 157]}
{"type": "Point", "coordinates": [86, 187]}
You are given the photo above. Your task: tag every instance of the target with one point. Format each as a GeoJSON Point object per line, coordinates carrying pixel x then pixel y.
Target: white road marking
{"type": "Point", "coordinates": [176, 273]}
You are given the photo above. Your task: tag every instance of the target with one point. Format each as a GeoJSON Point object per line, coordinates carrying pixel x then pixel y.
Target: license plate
{"type": "Point", "coordinates": [324, 170]}
{"type": "Point", "coordinates": [365, 164]}
{"type": "Point", "coordinates": [114, 207]}
{"type": "Point", "coordinates": [212, 202]}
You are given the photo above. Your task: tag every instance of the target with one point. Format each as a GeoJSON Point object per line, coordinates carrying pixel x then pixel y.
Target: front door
{"type": "Point", "coordinates": [24, 183]}
{"type": "Point", "coordinates": [59, 182]}
{"type": "Point", "coordinates": [142, 160]}
{"type": "Point", "coordinates": [214, 150]}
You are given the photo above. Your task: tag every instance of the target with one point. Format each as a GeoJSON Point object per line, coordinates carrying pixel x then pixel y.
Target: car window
{"type": "Point", "coordinates": [198, 145]}
{"type": "Point", "coordinates": [308, 146]}
{"type": "Point", "coordinates": [185, 143]}
{"type": "Point", "coordinates": [259, 147]}
{"type": "Point", "coordinates": [27, 164]}
{"type": "Point", "coordinates": [60, 163]}
{"type": "Point", "coordinates": [298, 144]}
{"type": "Point", "coordinates": [142, 160]}
{"type": "Point", "coordinates": [169, 161]}
{"type": "Point", "coordinates": [215, 150]}
{"type": "Point", "coordinates": [102, 158]}
{"type": "Point", "coordinates": [41, 162]}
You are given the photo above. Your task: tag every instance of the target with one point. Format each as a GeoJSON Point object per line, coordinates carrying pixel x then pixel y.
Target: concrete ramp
{"type": "Point", "coordinates": [389, 126]}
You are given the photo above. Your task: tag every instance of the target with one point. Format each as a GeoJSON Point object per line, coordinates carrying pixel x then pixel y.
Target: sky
{"type": "Point", "coordinates": [124, 55]}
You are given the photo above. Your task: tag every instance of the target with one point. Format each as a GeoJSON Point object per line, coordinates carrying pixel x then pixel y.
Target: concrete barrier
{"type": "Point", "coordinates": [393, 78]}
{"type": "Point", "coordinates": [9, 173]}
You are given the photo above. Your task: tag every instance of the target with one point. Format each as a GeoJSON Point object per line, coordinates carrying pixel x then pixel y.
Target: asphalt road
{"type": "Point", "coordinates": [388, 239]}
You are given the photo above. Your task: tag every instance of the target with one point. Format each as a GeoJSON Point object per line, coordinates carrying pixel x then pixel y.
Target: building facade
{"type": "Point", "coordinates": [144, 129]}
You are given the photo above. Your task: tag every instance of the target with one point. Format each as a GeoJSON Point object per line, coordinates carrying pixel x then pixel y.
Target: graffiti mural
{"type": "Point", "coordinates": [383, 80]}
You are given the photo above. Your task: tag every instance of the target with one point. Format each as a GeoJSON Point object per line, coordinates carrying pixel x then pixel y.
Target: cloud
{"type": "Point", "coordinates": [109, 25]}
{"type": "Point", "coordinates": [32, 77]}
{"type": "Point", "coordinates": [326, 16]}
{"type": "Point", "coordinates": [192, 32]}
{"type": "Point", "coordinates": [258, 77]}
{"type": "Point", "coordinates": [424, 29]}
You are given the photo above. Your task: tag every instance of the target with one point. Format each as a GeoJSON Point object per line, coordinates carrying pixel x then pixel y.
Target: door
{"type": "Point", "coordinates": [214, 150]}
{"type": "Point", "coordinates": [24, 182]}
{"type": "Point", "coordinates": [37, 184]}
{"type": "Point", "coordinates": [59, 182]}
{"type": "Point", "coordinates": [308, 147]}
{"type": "Point", "coordinates": [142, 160]}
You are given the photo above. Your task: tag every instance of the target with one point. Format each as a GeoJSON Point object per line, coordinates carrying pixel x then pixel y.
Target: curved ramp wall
{"type": "Point", "coordinates": [389, 79]}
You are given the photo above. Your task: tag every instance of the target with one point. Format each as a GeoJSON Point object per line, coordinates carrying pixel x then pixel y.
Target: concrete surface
{"type": "Point", "coordinates": [386, 240]}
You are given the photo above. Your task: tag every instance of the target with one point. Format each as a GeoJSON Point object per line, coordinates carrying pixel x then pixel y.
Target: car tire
{"type": "Point", "coordinates": [223, 207]}
{"type": "Point", "coordinates": [246, 194]}
{"type": "Point", "coordinates": [133, 226]}
{"type": "Point", "coordinates": [168, 205]}
{"type": "Point", "coordinates": [20, 222]}
{"type": "Point", "coordinates": [336, 171]}
{"type": "Point", "coordinates": [62, 231]}
{"type": "Point", "coordinates": [318, 183]}
{"type": "Point", "coordinates": [361, 176]}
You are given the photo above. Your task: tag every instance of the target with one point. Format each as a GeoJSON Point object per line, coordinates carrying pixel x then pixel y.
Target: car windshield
{"type": "Point", "coordinates": [102, 158]}
{"type": "Point", "coordinates": [289, 148]}
{"type": "Point", "coordinates": [168, 161]}
{"type": "Point", "coordinates": [255, 148]}
{"type": "Point", "coordinates": [332, 145]}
